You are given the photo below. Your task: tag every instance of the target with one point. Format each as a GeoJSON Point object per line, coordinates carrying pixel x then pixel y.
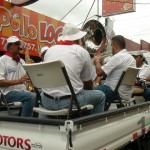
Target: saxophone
{"type": "Point", "coordinates": [29, 85]}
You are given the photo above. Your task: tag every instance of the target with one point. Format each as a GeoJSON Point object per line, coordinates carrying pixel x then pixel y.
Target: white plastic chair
{"type": "Point", "coordinates": [128, 77]}
{"type": "Point", "coordinates": [50, 75]}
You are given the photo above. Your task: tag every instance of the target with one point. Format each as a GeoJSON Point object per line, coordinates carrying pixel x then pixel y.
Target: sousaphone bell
{"type": "Point", "coordinates": [95, 38]}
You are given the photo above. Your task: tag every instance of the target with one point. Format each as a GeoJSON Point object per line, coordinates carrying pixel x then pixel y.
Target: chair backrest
{"type": "Point", "coordinates": [128, 77]}
{"type": "Point", "coordinates": [50, 75]}
{"type": "Point", "coordinates": [46, 74]}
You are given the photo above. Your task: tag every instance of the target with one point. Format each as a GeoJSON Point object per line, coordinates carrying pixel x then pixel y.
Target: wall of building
{"type": "Point", "coordinates": [133, 46]}
{"type": "Point", "coordinates": [145, 45]}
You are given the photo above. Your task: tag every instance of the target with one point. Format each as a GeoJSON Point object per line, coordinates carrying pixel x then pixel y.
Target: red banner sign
{"type": "Point", "coordinates": [35, 29]}
{"type": "Point", "coordinates": [113, 7]}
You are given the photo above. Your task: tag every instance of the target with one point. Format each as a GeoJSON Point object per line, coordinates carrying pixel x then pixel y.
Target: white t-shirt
{"type": "Point", "coordinates": [78, 65]}
{"type": "Point", "coordinates": [114, 68]}
{"type": "Point", "coordinates": [144, 72]}
{"type": "Point", "coordinates": [11, 70]}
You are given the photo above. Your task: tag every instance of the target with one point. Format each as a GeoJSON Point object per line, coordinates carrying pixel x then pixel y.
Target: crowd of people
{"type": "Point", "coordinates": [80, 68]}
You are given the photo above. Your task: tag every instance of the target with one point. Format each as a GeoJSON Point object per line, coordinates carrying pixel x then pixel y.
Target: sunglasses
{"type": "Point", "coordinates": [16, 43]}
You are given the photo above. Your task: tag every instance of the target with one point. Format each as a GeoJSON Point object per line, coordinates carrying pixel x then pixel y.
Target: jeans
{"type": "Point", "coordinates": [146, 94]}
{"type": "Point", "coordinates": [94, 97]}
{"type": "Point", "coordinates": [26, 98]}
{"type": "Point", "coordinates": [110, 94]}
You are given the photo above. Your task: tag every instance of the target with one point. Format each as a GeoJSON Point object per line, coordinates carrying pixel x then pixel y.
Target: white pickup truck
{"type": "Point", "coordinates": [110, 130]}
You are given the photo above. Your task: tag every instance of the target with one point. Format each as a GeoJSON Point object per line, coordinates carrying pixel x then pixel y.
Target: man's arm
{"type": "Point", "coordinates": [99, 70]}
{"type": "Point", "coordinates": [7, 83]}
{"type": "Point", "coordinates": [98, 66]}
{"type": "Point", "coordinates": [97, 81]}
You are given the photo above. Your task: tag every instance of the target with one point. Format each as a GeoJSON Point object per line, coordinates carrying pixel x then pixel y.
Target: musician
{"type": "Point", "coordinates": [141, 63]}
{"type": "Point", "coordinates": [13, 77]}
{"type": "Point", "coordinates": [80, 70]}
{"type": "Point", "coordinates": [144, 73]}
{"type": "Point", "coordinates": [114, 68]}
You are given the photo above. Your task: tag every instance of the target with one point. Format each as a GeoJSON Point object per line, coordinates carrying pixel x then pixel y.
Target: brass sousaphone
{"type": "Point", "coordinates": [95, 38]}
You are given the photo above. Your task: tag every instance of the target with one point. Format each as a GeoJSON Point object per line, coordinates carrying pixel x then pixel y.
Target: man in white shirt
{"type": "Point", "coordinates": [120, 60]}
{"type": "Point", "coordinates": [13, 77]}
{"type": "Point", "coordinates": [80, 70]}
